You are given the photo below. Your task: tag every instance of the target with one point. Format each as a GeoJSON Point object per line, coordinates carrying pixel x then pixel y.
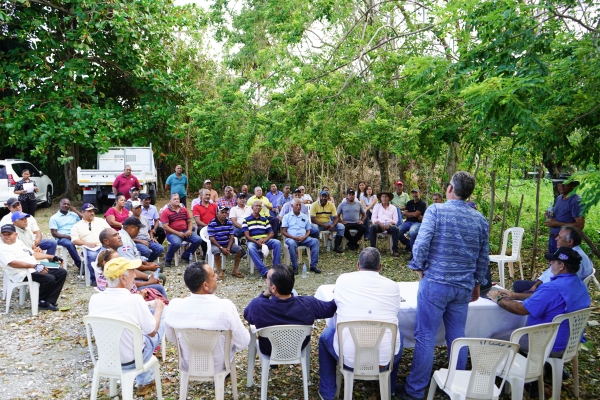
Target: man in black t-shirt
{"type": "Point", "coordinates": [415, 208]}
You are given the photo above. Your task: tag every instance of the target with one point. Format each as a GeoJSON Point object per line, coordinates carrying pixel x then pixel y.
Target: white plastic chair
{"type": "Point", "coordinates": [577, 322]}
{"type": "Point", "coordinates": [107, 332]}
{"type": "Point", "coordinates": [353, 232]}
{"type": "Point", "coordinates": [367, 337]}
{"type": "Point", "coordinates": [531, 368]}
{"type": "Point", "coordinates": [63, 253]}
{"type": "Point", "coordinates": [588, 278]}
{"type": "Point", "coordinates": [325, 236]}
{"type": "Point", "coordinates": [210, 257]}
{"type": "Point", "coordinates": [286, 348]}
{"type": "Point", "coordinates": [515, 255]}
{"type": "Point", "coordinates": [487, 357]}
{"type": "Point", "coordinates": [201, 363]}
{"type": "Point", "coordinates": [180, 251]}
{"type": "Point", "coordinates": [251, 263]}
{"type": "Point", "coordinates": [34, 290]}
{"type": "Point", "coordinates": [286, 253]}
{"type": "Point", "coordinates": [83, 271]}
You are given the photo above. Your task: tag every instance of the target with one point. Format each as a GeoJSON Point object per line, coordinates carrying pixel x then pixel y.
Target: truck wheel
{"type": "Point", "coordinates": [48, 202]}
{"type": "Point", "coordinates": [153, 197]}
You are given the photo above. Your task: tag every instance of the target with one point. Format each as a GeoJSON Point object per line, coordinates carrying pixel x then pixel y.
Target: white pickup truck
{"type": "Point", "coordinates": [97, 183]}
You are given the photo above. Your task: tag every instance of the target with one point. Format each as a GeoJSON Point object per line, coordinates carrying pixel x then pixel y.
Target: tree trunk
{"type": "Point", "coordinates": [505, 203]}
{"type": "Point", "coordinates": [519, 212]}
{"type": "Point", "coordinates": [492, 202]}
{"type": "Point", "coordinates": [70, 171]}
{"type": "Point", "coordinates": [383, 161]}
{"type": "Point", "coordinates": [537, 219]}
{"type": "Point", "coordinates": [555, 168]}
{"type": "Point", "coordinates": [453, 161]}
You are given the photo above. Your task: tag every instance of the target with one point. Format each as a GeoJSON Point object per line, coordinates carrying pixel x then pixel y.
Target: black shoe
{"type": "Point", "coordinates": [401, 394]}
{"type": "Point", "coordinates": [94, 284]}
{"type": "Point", "coordinates": [44, 305]}
{"type": "Point", "coordinates": [338, 250]}
{"type": "Point", "coordinates": [295, 271]}
{"type": "Point", "coordinates": [167, 263]}
{"type": "Point", "coordinates": [315, 270]}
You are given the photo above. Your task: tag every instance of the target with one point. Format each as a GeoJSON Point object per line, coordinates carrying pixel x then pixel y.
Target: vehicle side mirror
{"type": "Point", "coordinates": [41, 173]}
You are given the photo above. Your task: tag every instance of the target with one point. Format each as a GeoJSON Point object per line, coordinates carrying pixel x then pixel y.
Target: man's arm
{"type": "Point", "coordinates": [423, 242]}
{"type": "Point", "coordinates": [579, 223]}
{"type": "Point", "coordinates": [322, 309]}
{"type": "Point", "coordinates": [515, 307]}
{"type": "Point", "coordinates": [38, 238]}
{"type": "Point", "coordinates": [167, 188]}
{"type": "Point", "coordinates": [57, 235]}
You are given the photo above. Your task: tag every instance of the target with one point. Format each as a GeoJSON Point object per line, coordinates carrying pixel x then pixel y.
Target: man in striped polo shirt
{"type": "Point", "coordinates": [220, 233]}
{"type": "Point", "coordinates": [177, 222]}
{"type": "Point", "coordinates": [258, 232]}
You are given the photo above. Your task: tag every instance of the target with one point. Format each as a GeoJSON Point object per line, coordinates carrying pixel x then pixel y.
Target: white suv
{"type": "Point", "coordinates": [10, 173]}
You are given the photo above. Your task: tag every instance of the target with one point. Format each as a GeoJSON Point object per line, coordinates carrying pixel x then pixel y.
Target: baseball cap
{"type": "Point", "coordinates": [240, 195]}
{"type": "Point", "coordinates": [87, 207]}
{"type": "Point", "coordinates": [350, 191]}
{"type": "Point", "coordinates": [133, 221]}
{"type": "Point", "coordinates": [207, 181]}
{"type": "Point", "coordinates": [415, 190]}
{"type": "Point", "coordinates": [221, 208]}
{"type": "Point", "coordinates": [565, 177]}
{"type": "Point", "coordinates": [144, 196]}
{"type": "Point", "coordinates": [133, 189]}
{"type": "Point", "coordinates": [297, 191]}
{"type": "Point", "coordinates": [8, 228]}
{"type": "Point", "coordinates": [324, 193]}
{"type": "Point", "coordinates": [399, 183]}
{"type": "Point", "coordinates": [117, 266]}
{"type": "Point", "coordinates": [12, 201]}
{"type": "Point", "coordinates": [18, 215]}
{"type": "Point", "coordinates": [135, 204]}
{"type": "Point", "coordinates": [564, 254]}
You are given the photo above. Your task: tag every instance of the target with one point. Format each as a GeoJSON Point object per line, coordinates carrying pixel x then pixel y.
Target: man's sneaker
{"type": "Point", "coordinates": [321, 396]}
{"type": "Point", "coordinates": [168, 263]}
{"type": "Point", "coordinates": [44, 305]}
{"type": "Point", "coordinates": [401, 394]}
{"type": "Point", "coordinates": [315, 269]}
{"type": "Point", "coordinates": [144, 390]}
{"type": "Point", "coordinates": [295, 271]}
{"type": "Point", "coordinates": [338, 250]}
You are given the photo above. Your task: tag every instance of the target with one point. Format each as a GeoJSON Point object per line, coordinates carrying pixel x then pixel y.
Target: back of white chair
{"type": "Point", "coordinates": [588, 278]}
{"type": "Point", "coordinates": [517, 240]}
{"type": "Point", "coordinates": [201, 344]}
{"type": "Point", "coordinates": [577, 322]}
{"type": "Point", "coordinates": [487, 357]}
{"type": "Point", "coordinates": [107, 332]}
{"type": "Point", "coordinates": [541, 339]}
{"type": "Point", "coordinates": [286, 342]}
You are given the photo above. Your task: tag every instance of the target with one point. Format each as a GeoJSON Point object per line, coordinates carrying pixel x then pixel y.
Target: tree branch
{"type": "Point", "coordinates": [589, 28]}
{"type": "Point", "coordinates": [48, 4]}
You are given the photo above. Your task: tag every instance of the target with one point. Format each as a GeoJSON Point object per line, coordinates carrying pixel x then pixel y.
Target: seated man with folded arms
{"type": "Point", "coordinates": [296, 229]}
{"type": "Point", "coordinates": [144, 241]}
{"type": "Point", "coordinates": [202, 309]}
{"type": "Point", "coordinates": [177, 222]}
{"type": "Point", "coordinates": [385, 219]}
{"type": "Point", "coordinates": [238, 213]}
{"type": "Point", "coordinates": [17, 258]}
{"type": "Point", "coordinates": [119, 303]}
{"type": "Point", "coordinates": [321, 214]}
{"type": "Point", "coordinates": [220, 234]}
{"type": "Point", "coordinates": [14, 205]}
{"type": "Point", "coordinates": [258, 232]}
{"type": "Point", "coordinates": [277, 305]}
{"type": "Point", "coordinates": [86, 233]}
{"type": "Point", "coordinates": [359, 296]}
{"type": "Point", "coordinates": [352, 215]}
{"type": "Point", "coordinates": [61, 224]}
{"type": "Point", "coordinates": [112, 239]}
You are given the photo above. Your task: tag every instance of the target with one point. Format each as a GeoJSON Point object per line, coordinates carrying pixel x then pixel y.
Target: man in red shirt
{"type": "Point", "coordinates": [124, 182]}
{"type": "Point", "coordinates": [177, 223]}
{"type": "Point", "coordinates": [204, 213]}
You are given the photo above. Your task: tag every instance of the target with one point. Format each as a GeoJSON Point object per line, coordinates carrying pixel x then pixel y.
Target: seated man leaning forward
{"type": "Point", "coordinates": [144, 241]}
{"type": "Point", "coordinates": [564, 293]}
{"type": "Point", "coordinates": [277, 305]}
{"type": "Point", "coordinates": [117, 302]}
{"type": "Point", "coordinates": [296, 229]}
{"type": "Point", "coordinates": [258, 232]}
{"type": "Point", "coordinates": [14, 206]}
{"type": "Point", "coordinates": [203, 310]}
{"type": "Point", "coordinates": [17, 258]}
{"type": "Point", "coordinates": [61, 224]}
{"type": "Point", "coordinates": [361, 295]}
{"type": "Point", "coordinates": [321, 214]}
{"type": "Point", "coordinates": [177, 222]}
{"type": "Point", "coordinates": [131, 228]}
{"type": "Point", "coordinates": [220, 234]}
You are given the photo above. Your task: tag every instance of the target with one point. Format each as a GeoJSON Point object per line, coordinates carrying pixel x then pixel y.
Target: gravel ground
{"type": "Point", "coordinates": [47, 356]}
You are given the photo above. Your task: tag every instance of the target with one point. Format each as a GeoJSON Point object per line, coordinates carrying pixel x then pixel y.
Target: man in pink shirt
{"type": "Point", "coordinates": [124, 182]}
{"type": "Point", "coordinates": [385, 219]}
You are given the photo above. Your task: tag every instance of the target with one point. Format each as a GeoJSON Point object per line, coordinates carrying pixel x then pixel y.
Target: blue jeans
{"type": "Point", "coordinates": [149, 343]}
{"type": "Point", "coordinates": [413, 230]}
{"type": "Point", "coordinates": [91, 256]}
{"type": "Point", "coordinates": [151, 252]}
{"type": "Point", "coordinates": [49, 245]}
{"type": "Point", "coordinates": [67, 244]}
{"type": "Point", "coordinates": [309, 242]}
{"type": "Point", "coordinates": [238, 233]}
{"type": "Point", "coordinates": [256, 254]}
{"type": "Point", "coordinates": [339, 228]}
{"type": "Point", "coordinates": [436, 302]}
{"type": "Point", "coordinates": [328, 361]}
{"type": "Point", "coordinates": [175, 243]}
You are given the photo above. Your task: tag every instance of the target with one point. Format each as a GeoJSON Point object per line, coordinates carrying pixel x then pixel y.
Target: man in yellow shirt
{"type": "Point", "coordinates": [321, 214]}
{"type": "Point", "coordinates": [266, 209]}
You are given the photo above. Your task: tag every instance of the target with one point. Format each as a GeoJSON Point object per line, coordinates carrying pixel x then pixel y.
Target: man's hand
{"type": "Point", "coordinates": [187, 234]}
{"type": "Point", "coordinates": [475, 294]}
{"type": "Point", "coordinates": [330, 228]}
{"type": "Point", "coordinates": [150, 266]}
{"type": "Point", "coordinates": [158, 305]}
{"type": "Point", "coordinates": [261, 241]}
{"type": "Point", "coordinates": [359, 222]}
{"type": "Point", "coordinates": [420, 274]}
{"type": "Point", "coordinates": [37, 250]}
{"type": "Point", "coordinates": [226, 252]}
{"type": "Point", "coordinates": [181, 235]}
{"type": "Point", "coordinates": [493, 294]}
{"type": "Point", "coordinates": [144, 242]}
{"type": "Point", "coordinates": [143, 293]}
{"type": "Point", "coordinates": [267, 293]}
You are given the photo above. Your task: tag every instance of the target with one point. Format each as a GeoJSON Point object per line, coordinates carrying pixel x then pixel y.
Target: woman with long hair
{"type": "Point", "coordinates": [368, 201]}
{"type": "Point", "coordinates": [27, 195]}
{"type": "Point", "coordinates": [117, 214]}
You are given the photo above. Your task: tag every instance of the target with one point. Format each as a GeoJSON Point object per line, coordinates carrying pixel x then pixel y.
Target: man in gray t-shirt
{"type": "Point", "coordinates": [352, 215]}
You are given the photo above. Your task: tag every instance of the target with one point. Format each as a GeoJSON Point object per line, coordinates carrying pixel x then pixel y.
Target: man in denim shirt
{"type": "Point", "coordinates": [451, 255]}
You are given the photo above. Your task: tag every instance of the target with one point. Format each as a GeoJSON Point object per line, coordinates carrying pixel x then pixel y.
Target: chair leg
{"type": "Point", "coordinates": [95, 384]}
{"type": "Point", "coordinates": [305, 380]}
{"type": "Point", "coordinates": [517, 386]}
{"type": "Point", "coordinates": [520, 267]}
{"type": "Point", "coordinates": [557, 369]}
{"type": "Point", "coordinates": [348, 385]}
{"type": "Point", "coordinates": [163, 348]}
{"type": "Point", "coordinates": [34, 294]}
{"type": "Point", "coordinates": [384, 386]}
{"type": "Point", "coordinates": [127, 387]}
{"type": "Point", "coordinates": [338, 382]}
{"type": "Point", "coordinates": [219, 381]}
{"type": "Point", "coordinates": [183, 385]}
{"type": "Point", "coordinates": [511, 270]}
{"type": "Point", "coordinates": [576, 374]}
{"type": "Point", "coordinates": [251, 361]}
{"type": "Point", "coordinates": [541, 387]}
{"type": "Point", "coordinates": [157, 380]}
{"type": "Point", "coordinates": [307, 360]}
{"type": "Point", "coordinates": [501, 273]}
{"type": "Point", "coordinates": [432, 389]}
{"type": "Point", "coordinates": [234, 380]}
{"type": "Point", "coordinates": [265, 364]}
{"type": "Point", "coordinates": [113, 387]}
{"type": "Point", "coordinates": [21, 295]}
{"type": "Point", "coordinates": [9, 291]}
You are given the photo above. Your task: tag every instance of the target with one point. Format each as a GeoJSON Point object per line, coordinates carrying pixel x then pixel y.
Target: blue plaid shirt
{"type": "Point", "coordinates": [452, 246]}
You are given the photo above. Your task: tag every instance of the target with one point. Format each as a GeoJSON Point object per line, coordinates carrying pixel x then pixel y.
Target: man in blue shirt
{"type": "Point", "coordinates": [273, 195]}
{"type": "Point", "coordinates": [567, 211]}
{"type": "Point", "coordinates": [278, 306]}
{"type": "Point", "coordinates": [296, 229]}
{"type": "Point", "coordinates": [220, 234]}
{"type": "Point", "coordinates": [60, 228]}
{"type": "Point", "coordinates": [451, 255]}
{"type": "Point", "coordinates": [177, 183]}
{"type": "Point", "coordinates": [564, 293]}
{"type": "Point", "coordinates": [285, 197]}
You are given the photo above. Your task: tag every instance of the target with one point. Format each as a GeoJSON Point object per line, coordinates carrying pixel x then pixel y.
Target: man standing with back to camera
{"type": "Point", "coordinates": [451, 255]}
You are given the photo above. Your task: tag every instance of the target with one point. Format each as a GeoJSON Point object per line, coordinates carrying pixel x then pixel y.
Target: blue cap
{"type": "Point", "coordinates": [323, 192]}
{"type": "Point", "coordinates": [18, 215]}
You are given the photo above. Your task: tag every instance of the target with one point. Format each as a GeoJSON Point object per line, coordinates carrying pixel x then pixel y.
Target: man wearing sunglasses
{"type": "Point", "coordinates": [86, 233]}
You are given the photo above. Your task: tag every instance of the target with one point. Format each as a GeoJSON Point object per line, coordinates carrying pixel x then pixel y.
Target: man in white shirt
{"type": "Point", "coordinates": [359, 296]}
{"type": "Point", "coordinates": [17, 258]}
{"type": "Point", "coordinates": [151, 213]}
{"type": "Point", "coordinates": [385, 219]}
{"type": "Point", "coordinates": [203, 310]}
{"type": "Point", "coordinates": [14, 205]}
{"type": "Point", "coordinates": [238, 213]}
{"type": "Point", "coordinates": [117, 302]}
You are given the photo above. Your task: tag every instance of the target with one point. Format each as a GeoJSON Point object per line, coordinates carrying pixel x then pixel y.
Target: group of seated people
{"type": "Point", "coordinates": [358, 296]}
